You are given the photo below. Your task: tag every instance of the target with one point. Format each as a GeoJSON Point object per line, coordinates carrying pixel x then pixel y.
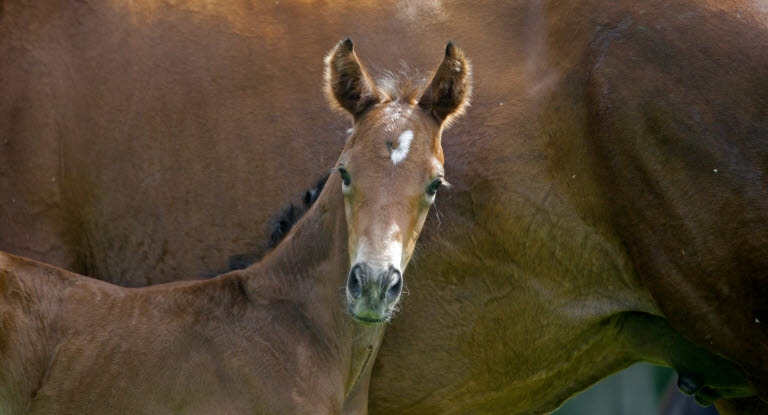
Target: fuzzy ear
{"type": "Point", "coordinates": [346, 81]}
{"type": "Point", "coordinates": [448, 93]}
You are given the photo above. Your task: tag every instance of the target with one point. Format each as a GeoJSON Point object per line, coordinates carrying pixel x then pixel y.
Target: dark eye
{"type": "Point", "coordinates": [344, 176]}
{"type": "Point", "coordinates": [432, 188]}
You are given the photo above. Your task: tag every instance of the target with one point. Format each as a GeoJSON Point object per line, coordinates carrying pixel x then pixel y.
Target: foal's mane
{"type": "Point", "coordinates": [280, 225]}
{"type": "Point", "coordinates": [404, 85]}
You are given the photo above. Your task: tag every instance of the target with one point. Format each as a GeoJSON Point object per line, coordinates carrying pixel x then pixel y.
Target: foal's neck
{"type": "Point", "coordinates": [309, 268]}
{"type": "Point", "coordinates": [310, 265]}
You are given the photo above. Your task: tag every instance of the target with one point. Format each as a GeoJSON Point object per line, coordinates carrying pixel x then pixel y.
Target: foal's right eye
{"type": "Point", "coordinates": [432, 188]}
{"type": "Point", "coordinates": [344, 176]}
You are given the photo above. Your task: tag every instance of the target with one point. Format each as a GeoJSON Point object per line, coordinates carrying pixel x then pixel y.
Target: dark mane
{"type": "Point", "coordinates": [283, 222]}
{"type": "Point", "coordinates": [280, 225]}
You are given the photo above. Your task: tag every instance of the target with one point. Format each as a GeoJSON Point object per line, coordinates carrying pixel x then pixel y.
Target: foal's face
{"type": "Point", "coordinates": [391, 169]}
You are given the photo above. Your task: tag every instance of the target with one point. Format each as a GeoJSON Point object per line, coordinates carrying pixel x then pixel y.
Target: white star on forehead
{"type": "Point", "coordinates": [403, 145]}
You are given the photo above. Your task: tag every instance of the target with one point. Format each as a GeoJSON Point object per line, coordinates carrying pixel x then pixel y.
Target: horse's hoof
{"type": "Point", "coordinates": [687, 385]}
{"type": "Point", "coordinates": [706, 396]}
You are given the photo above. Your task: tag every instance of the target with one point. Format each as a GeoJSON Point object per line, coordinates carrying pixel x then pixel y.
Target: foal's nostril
{"type": "Point", "coordinates": [395, 286]}
{"type": "Point", "coordinates": [356, 281]}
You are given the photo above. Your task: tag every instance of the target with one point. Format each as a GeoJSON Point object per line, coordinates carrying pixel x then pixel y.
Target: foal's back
{"type": "Point", "coordinates": [85, 346]}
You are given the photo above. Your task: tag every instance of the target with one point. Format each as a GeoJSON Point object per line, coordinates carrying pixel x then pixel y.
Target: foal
{"type": "Point", "coordinates": [272, 338]}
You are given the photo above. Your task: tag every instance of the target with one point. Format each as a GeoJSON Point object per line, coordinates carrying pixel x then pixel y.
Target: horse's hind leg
{"type": "Point", "coordinates": [701, 373]}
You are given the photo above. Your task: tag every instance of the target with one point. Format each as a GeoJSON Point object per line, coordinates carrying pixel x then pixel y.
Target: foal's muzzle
{"type": "Point", "coordinates": [372, 292]}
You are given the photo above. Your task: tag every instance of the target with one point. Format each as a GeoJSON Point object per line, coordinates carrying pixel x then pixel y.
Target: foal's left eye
{"type": "Point", "coordinates": [432, 188]}
{"type": "Point", "coordinates": [344, 176]}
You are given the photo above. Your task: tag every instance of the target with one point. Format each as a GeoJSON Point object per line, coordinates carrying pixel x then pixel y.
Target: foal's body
{"type": "Point", "coordinates": [270, 339]}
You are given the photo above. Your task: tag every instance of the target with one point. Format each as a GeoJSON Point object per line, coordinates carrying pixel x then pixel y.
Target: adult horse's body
{"type": "Point", "coordinates": [612, 170]}
{"type": "Point", "coordinates": [274, 338]}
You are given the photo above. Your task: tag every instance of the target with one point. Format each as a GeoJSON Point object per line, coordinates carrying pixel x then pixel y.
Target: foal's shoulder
{"type": "Point", "coordinates": [18, 271]}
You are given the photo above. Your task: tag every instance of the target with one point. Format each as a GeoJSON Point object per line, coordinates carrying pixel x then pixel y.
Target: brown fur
{"type": "Point", "coordinates": [583, 182]}
{"type": "Point", "coordinates": [274, 338]}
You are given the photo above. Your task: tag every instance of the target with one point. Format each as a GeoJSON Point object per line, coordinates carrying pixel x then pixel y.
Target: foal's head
{"type": "Point", "coordinates": [391, 169]}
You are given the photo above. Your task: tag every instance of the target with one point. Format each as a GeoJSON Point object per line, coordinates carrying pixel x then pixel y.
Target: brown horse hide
{"type": "Point", "coordinates": [609, 181]}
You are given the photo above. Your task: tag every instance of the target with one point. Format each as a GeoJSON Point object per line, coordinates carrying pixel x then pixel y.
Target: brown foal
{"type": "Point", "coordinates": [276, 337]}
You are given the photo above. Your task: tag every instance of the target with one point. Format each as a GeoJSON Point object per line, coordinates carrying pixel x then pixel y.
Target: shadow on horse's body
{"type": "Point", "coordinates": [272, 338]}
{"type": "Point", "coordinates": [609, 181]}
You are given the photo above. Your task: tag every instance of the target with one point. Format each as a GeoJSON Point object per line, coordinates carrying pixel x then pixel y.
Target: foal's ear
{"type": "Point", "coordinates": [346, 81]}
{"type": "Point", "coordinates": [448, 93]}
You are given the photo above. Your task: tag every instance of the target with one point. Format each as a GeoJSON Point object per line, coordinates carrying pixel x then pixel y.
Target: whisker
{"type": "Point", "coordinates": [437, 215]}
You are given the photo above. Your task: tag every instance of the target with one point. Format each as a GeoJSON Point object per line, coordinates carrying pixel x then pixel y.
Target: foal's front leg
{"type": "Point", "coordinates": [357, 400]}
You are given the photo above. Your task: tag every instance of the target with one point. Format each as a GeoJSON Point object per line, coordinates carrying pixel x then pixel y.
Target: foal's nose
{"type": "Point", "coordinates": [393, 281]}
{"type": "Point", "coordinates": [357, 280]}
{"type": "Point", "coordinates": [386, 285]}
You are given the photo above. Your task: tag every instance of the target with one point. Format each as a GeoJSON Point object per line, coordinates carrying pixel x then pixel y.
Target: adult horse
{"type": "Point", "coordinates": [271, 339]}
{"type": "Point", "coordinates": [609, 178]}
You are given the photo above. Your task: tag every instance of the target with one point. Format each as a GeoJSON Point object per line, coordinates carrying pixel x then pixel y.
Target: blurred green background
{"type": "Point", "coordinates": [642, 389]}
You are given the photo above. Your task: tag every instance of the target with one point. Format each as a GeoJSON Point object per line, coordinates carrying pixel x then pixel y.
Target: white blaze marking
{"type": "Point", "coordinates": [403, 145]}
{"type": "Point", "coordinates": [393, 249]}
{"type": "Point", "coordinates": [387, 251]}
